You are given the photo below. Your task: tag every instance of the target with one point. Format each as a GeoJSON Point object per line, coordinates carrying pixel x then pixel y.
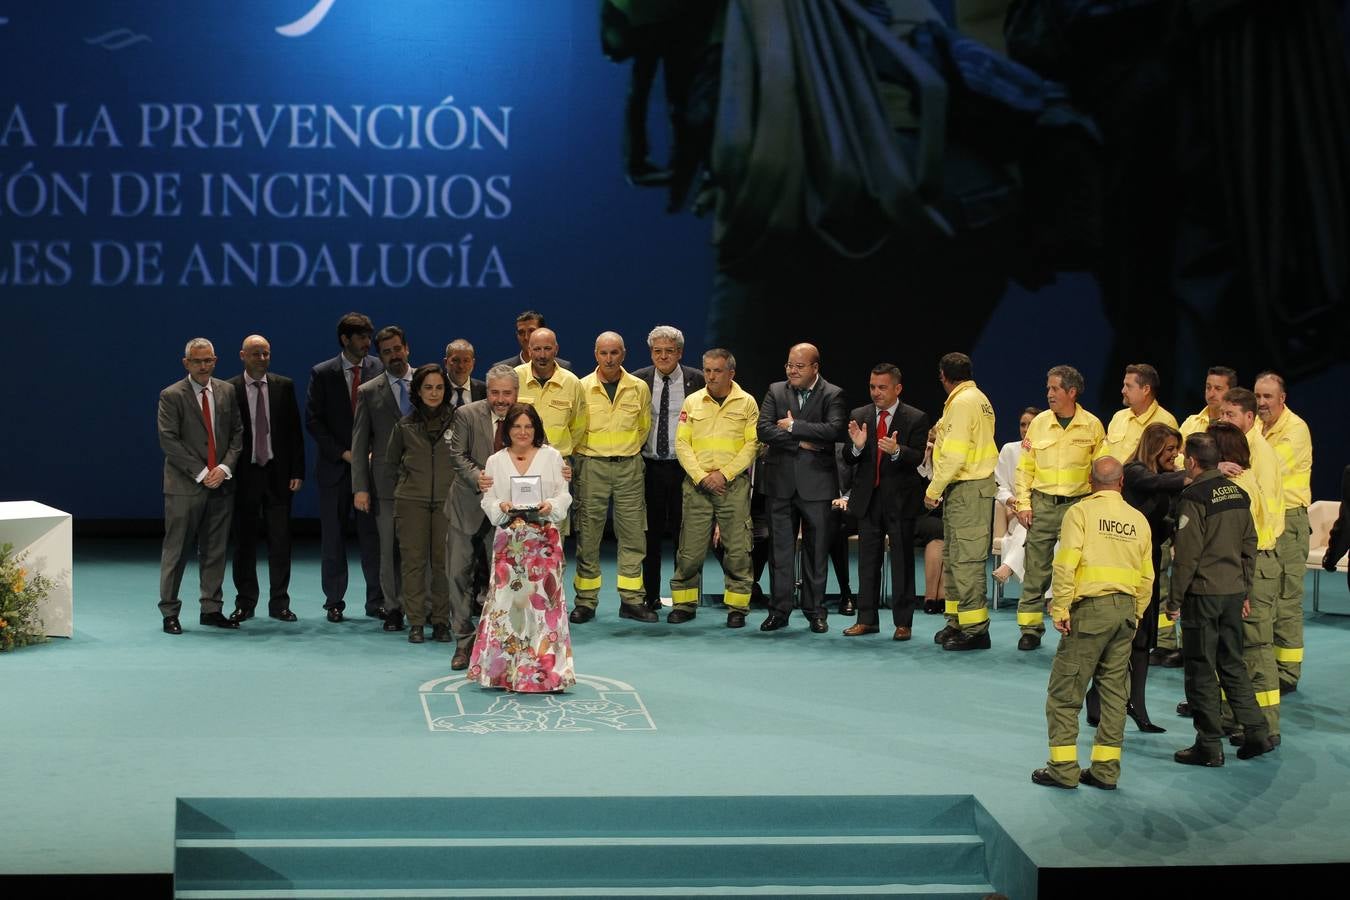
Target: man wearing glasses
{"type": "Point", "coordinates": [201, 435]}
{"type": "Point", "coordinates": [800, 421]}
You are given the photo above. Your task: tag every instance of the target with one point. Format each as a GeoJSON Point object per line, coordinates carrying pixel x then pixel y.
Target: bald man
{"type": "Point", "coordinates": [610, 470]}
{"type": "Point", "coordinates": [271, 467]}
{"type": "Point", "coordinates": [800, 421]}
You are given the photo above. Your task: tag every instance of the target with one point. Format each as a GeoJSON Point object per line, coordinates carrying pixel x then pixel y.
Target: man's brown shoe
{"type": "Point", "coordinates": [859, 628]}
{"type": "Point", "coordinates": [901, 634]}
{"type": "Point", "coordinates": [460, 661]}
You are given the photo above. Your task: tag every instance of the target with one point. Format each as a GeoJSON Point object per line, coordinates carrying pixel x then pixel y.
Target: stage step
{"type": "Point", "coordinates": [910, 846]}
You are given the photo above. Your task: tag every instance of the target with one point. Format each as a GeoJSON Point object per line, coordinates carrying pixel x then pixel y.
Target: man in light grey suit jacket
{"type": "Point", "coordinates": [472, 439]}
{"type": "Point", "coordinates": [380, 403]}
{"type": "Point", "coordinates": [198, 493]}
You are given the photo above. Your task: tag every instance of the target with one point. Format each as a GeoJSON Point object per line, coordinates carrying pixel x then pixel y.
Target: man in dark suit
{"type": "Point", "coordinates": [474, 436]}
{"type": "Point", "coordinates": [462, 387]}
{"type": "Point", "coordinates": [380, 403]}
{"type": "Point", "coordinates": [799, 421]}
{"type": "Point", "coordinates": [201, 436]}
{"type": "Point", "coordinates": [888, 440]}
{"type": "Point", "coordinates": [1339, 540]}
{"type": "Point", "coordinates": [271, 469]}
{"type": "Point", "coordinates": [527, 323]}
{"type": "Point", "coordinates": [330, 408]}
{"type": "Point", "coordinates": [670, 382]}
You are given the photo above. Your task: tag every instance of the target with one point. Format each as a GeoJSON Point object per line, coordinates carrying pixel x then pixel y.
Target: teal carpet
{"type": "Point", "coordinates": [101, 733]}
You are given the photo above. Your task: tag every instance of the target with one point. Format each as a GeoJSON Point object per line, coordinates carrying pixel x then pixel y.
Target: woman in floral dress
{"type": "Point", "coordinates": [522, 642]}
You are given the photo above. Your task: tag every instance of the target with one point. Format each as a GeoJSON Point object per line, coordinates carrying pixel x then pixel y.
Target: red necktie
{"type": "Point", "coordinates": [356, 383]}
{"type": "Point", "coordinates": [210, 430]}
{"type": "Point", "coordinates": [881, 430]}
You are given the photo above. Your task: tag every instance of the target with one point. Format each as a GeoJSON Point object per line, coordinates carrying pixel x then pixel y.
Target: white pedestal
{"type": "Point", "coordinates": [45, 535]}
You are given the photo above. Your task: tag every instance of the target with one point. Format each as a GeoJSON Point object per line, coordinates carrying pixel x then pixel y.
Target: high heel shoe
{"type": "Point", "coordinates": [1142, 721]}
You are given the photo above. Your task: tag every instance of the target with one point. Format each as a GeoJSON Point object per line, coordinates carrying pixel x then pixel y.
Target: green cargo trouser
{"type": "Point", "coordinates": [967, 517]}
{"type": "Point", "coordinates": [1212, 642]}
{"type": "Point", "coordinates": [421, 526]}
{"type": "Point", "coordinates": [598, 480]}
{"type": "Point", "coordinates": [1097, 648]}
{"type": "Point", "coordinates": [1258, 638]}
{"type": "Point", "coordinates": [1047, 513]}
{"type": "Point", "coordinates": [731, 512]}
{"type": "Point", "coordinates": [1291, 550]}
{"type": "Point", "coordinates": [1168, 631]}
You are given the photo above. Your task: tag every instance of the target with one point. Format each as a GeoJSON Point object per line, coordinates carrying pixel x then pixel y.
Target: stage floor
{"type": "Point", "coordinates": [103, 731]}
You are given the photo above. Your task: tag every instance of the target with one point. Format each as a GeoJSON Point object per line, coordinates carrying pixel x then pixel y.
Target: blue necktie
{"type": "Point", "coordinates": [403, 397]}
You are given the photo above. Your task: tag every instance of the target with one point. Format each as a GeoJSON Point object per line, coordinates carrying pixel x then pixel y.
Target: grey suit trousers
{"type": "Point", "coordinates": [459, 562]}
{"type": "Point", "coordinates": [194, 523]}
{"type": "Point", "coordinates": [391, 562]}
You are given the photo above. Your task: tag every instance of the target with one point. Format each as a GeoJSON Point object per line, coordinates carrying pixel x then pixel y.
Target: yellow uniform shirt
{"type": "Point", "coordinates": [1105, 547]}
{"type": "Point", "coordinates": [1125, 430]}
{"type": "Point", "coordinates": [1198, 422]}
{"type": "Point", "coordinates": [717, 436]}
{"type": "Point", "coordinates": [963, 448]}
{"type": "Point", "coordinates": [1289, 437]}
{"type": "Point", "coordinates": [618, 427]}
{"type": "Point", "coordinates": [560, 404]}
{"type": "Point", "coordinates": [1266, 487]}
{"type": "Point", "coordinates": [1059, 460]}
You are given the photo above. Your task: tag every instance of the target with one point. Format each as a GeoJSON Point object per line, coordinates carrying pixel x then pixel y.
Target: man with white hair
{"type": "Point", "coordinates": [670, 382]}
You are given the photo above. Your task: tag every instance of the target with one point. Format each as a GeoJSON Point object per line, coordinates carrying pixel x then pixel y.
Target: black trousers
{"type": "Point", "coordinates": [664, 509]}
{"type": "Point", "coordinates": [786, 516]}
{"type": "Point", "coordinates": [877, 523]}
{"type": "Point", "coordinates": [258, 508]}
{"type": "Point", "coordinates": [1211, 641]}
{"type": "Point", "coordinates": [335, 511]}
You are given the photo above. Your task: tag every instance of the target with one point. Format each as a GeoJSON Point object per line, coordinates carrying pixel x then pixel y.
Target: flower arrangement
{"type": "Point", "coordinates": [20, 595]}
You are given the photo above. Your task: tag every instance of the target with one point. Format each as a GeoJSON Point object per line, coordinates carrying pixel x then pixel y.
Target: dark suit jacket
{"type": "Point", "coordinates": [471, 441]}
{"type": "Point", "coordinates": [288, 442]}
{"type": "Point", "coordinates": [328, 415]}
{"type": "Point", "coordinates": [1339, 541]}
{"type": "Point", "coordinates": [182, 435]}
{"type": "Point", "coordinates": [789, 469]}
{"type": "Point", "coordinates": [901, 486]}
{"type": "Point", "coordinates": [477, 391]}
{"type": "Point", "coordinates": [693, 379]}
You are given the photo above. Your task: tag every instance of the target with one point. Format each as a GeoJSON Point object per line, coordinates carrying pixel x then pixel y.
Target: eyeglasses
{"type": "Point", "coordinates": [798, 367]}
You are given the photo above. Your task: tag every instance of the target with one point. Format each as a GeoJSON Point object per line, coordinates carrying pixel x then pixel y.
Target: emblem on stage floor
{"type": "Point", "coordinates": [593, 704]}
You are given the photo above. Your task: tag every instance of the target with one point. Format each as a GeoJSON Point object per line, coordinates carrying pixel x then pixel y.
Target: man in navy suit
{"type": "Point", "coordinates": [330, 408]}
{"type": "Point", "coordinates": [888, 439]}
{"type": "Point", "coordinates": [271, 469]}
{"type": "Point", "coordinates": [670, 382]}
{"type": "Point", "coordinates": [800, 421]}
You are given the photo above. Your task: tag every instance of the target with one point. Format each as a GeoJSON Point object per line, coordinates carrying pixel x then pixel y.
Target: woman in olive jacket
{"type": "Point", "coordinates": [419, 448]}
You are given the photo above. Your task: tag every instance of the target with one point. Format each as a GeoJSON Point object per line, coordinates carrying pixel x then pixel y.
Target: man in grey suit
{"type": "Point", "coordinates": [201, 435]}
{"type": "Point", "coordinates": [800, 421]}
{"type": "Point", "coordinates": [473, 438]}
{"type": "Point", "coordinates": [380, 403]}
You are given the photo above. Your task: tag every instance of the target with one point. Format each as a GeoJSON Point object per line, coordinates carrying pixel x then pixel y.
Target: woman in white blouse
{"type": "Point", "coordinates": [523, 643]}
{"type": "Point", "coordinates": [1005, 474]}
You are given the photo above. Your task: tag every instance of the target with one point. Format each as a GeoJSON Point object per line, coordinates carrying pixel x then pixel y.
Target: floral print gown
{"type": "Point", "coordinates": [523, 643]}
